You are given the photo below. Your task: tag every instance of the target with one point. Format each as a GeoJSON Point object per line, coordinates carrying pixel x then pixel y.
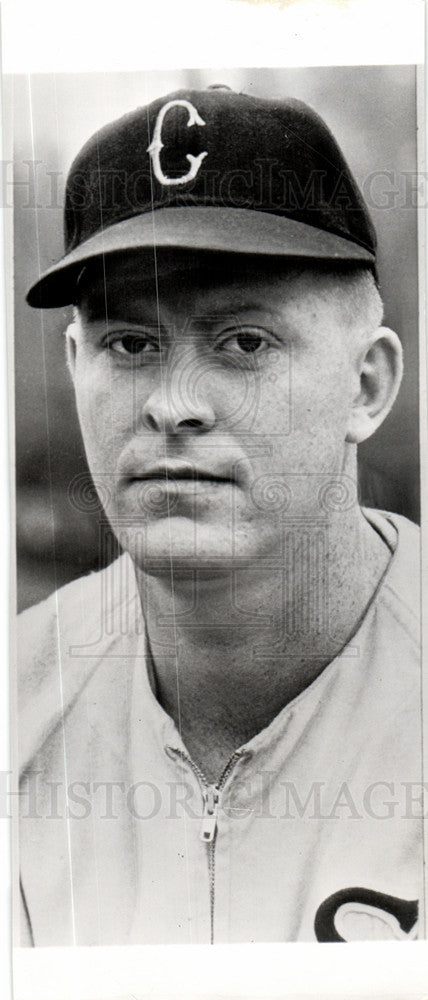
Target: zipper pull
{"type": "Point", "coordinates": [209, 820]}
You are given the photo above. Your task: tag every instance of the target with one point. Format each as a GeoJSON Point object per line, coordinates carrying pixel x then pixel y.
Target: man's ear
{"type": "Point", "coordinates": [70, 347]}
{"type": "Point", "coordinates": [380, 369]}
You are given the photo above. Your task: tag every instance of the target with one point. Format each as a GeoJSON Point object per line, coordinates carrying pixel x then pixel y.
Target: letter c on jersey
{"type": "Point", "coordinates": [156, 145]}
{"type": "Point", "coordinates": [404, 912]}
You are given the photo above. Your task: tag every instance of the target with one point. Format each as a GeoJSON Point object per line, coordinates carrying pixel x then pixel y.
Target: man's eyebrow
{"type": "Point", "coordinates": [138, 312]}
{"type": "Point", "coordinates": [233, 312]}
{"type": "Point", "coordinates": [102, 310]}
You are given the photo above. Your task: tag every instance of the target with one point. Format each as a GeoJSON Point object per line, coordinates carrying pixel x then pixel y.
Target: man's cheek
{"type": "Point", "coordinates": [100, 430]}
{"type": "Point", "coordinates": [271, 415]}
{"type": "Point", "coordinates": [95, 397]}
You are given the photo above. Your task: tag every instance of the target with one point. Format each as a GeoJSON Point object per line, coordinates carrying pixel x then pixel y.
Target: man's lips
{"type": "Point", "coordinates": [214, 467]}
{"type": "Point", "coordinates": [176, 474]}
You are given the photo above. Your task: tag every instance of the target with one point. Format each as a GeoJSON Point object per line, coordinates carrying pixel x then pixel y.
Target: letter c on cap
{"type": "Point", "coordinates": [156, 145]}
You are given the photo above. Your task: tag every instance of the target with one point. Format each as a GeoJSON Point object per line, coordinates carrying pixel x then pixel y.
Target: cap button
{"type": "Point", "coordinates": [219, 86]}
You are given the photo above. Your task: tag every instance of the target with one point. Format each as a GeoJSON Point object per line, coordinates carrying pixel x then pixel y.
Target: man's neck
{"type": "Point", "coordinates": [231, 649]}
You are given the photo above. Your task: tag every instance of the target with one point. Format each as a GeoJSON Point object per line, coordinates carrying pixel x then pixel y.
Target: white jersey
{"type": "Point", "coordinates": [314, 831]}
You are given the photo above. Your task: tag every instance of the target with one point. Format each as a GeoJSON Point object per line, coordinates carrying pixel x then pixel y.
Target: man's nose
{"type": "Point", "coordinates": [178, 404]}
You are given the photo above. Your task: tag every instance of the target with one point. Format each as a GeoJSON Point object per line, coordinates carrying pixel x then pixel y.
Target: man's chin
{"type": "Point", "coordinates": [182, 548]}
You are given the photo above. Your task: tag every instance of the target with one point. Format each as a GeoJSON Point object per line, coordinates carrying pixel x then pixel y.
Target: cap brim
{"type": "Point", "coordinates": [223, 230]}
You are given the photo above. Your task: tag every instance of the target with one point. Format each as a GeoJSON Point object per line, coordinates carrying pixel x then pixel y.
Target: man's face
{"type": "Point", "coordinates": [213, 402]}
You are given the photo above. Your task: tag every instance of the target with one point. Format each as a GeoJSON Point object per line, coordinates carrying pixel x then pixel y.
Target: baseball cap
{"type": "Point", "coordinates": [210, 170]}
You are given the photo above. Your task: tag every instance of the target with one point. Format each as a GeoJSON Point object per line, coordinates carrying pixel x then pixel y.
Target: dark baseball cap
{"type": "Point", "coordinates": [210, 170]}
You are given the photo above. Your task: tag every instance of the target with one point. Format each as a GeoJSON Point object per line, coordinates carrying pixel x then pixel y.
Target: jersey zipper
{"type": "Point", "coordinates": [211, 795]}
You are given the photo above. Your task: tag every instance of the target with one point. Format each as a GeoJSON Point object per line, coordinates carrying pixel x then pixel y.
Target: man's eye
{"type": "Point", "coordinates": [246, 342]}
{"type": "Point", "coordinates": [130, 344]}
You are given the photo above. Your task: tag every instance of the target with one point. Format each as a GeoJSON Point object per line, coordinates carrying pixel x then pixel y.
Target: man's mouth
{"type": "Point", "coordinates": [161, 488]}
{"type": "Point", "coordinates": [213, 470]}
{"type": "Point", "coordinates": [184, 474]}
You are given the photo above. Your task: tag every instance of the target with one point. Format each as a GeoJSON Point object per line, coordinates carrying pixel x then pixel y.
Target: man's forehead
{"type": "Point", "coordinates": [147, 270]}
{"type": "Point", "coordinates": [110, 284]}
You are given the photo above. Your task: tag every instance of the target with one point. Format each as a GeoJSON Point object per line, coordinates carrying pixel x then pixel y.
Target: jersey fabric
{"type": "Point", "coordinates": [314, 831]}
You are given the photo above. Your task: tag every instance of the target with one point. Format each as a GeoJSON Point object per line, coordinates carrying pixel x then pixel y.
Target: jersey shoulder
{"type": "Point", "coordinates": [400, 591]}
{"type": "Point", "coordinates": [61, 642]}
{"type": "Point", "coordinates": [68, 616]}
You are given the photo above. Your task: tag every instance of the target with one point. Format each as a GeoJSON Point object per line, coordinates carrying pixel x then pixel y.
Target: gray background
{"type": "Point", "coordinates": [372, 113]}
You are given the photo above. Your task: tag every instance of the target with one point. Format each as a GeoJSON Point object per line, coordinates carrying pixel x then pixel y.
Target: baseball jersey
{"type": "Point", "coordinates": [313, 832]}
